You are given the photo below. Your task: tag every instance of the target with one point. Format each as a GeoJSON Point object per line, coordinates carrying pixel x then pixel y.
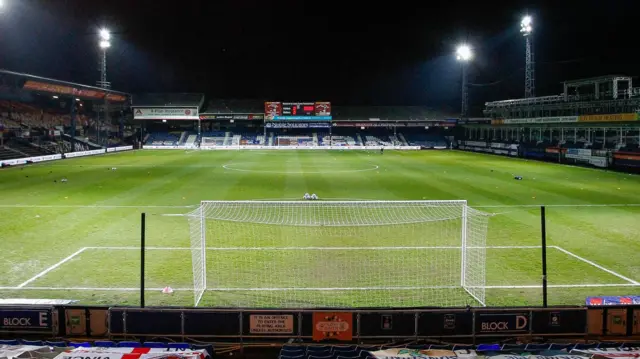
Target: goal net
{"type": "Point", "coordinates": [338, 253]}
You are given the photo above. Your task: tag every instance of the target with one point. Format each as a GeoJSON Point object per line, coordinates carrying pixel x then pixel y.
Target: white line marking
{"type": "Point", "coordinates": [52, 267]}
{"type": "Point", "coordinates": [134, 289]}
{"type": "Point", "coordinates": [556, 205]}
{"type": "Point", "coordinates": [86, 206]}
{"type": "Point", "coordinates": [328, 167]}
{"type": "Point", "coordinates": [557, 286]}
{"type": "Point", "coordinates": [597, 265]}
{"type": "Point", "coordinates": [92, 289]}
{"type": "Point", "coordinates": [310, 248]}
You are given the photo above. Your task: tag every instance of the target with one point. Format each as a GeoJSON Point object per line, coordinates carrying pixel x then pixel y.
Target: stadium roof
{"type": "Point", "coordinates": [168, 100]}
{"type": "Point", "coordinates": [593, 80]}
{"type": "Point", "coordinates": [41, 84]}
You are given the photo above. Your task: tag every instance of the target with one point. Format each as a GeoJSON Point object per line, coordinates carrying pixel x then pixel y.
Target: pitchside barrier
{"type": "Point", "coordinates": [282, 147]}
{"type": "Point", "coordinates": [22, 161]}
{"type": "Point", "coordinates": [459, 325]}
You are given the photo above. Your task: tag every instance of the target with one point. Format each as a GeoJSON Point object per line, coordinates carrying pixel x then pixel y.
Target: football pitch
{"type": "Point", "coordinates": [79, 239]}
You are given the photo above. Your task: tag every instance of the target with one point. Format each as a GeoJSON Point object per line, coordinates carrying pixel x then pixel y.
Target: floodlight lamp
{"type": "Point", "coordinates": [104, 44]}
{"type": "Point", "coordinates": [464, 53]}
{"type": "Point", "coordinates": [54, 96]}
{"type": "Point", "coordinates": [78, 99]}
{"type": "Point", "coordinates": [1, 4]}
{"type": "Point", "coordinates": [526, 26]}
{"type": "Point", "coordinates": [104, 34]}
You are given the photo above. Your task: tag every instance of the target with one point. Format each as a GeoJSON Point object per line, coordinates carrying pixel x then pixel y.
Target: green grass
{"type": "Point", "coordinates": [42, 222]}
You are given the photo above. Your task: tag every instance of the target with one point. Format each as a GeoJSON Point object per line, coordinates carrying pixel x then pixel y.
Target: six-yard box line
{"type": "Point", "coordinates": [24, 285]}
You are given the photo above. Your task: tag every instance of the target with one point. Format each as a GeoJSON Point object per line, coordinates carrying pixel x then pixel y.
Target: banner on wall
{"type": "Point", "coordinates": [332, 326]}
{"type": "Point", "coordinates": [616, 117]}
{"type": "Point", "coordinates": [163, 113]}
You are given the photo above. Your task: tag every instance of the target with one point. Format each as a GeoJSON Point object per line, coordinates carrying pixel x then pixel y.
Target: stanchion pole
{"type": "Point", "coordinates": [543, 227]}
{"type": "Point", "coordinates": [142, 239]}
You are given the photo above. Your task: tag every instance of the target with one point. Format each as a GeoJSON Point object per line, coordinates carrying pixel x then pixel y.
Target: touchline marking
{"type": "Point", "coordinates": [86, 206]}
{"type": "Point", "coordinates": [597, 265]}
{"type": "Point", "coordinates": [267, 289]}
{"type": "Point", "coordinates": [52, 267]}
{"type": "Point", "coordinates": [537, 286]}
{"type": "Point", "coordinates": [308, 248]}
{"type": "Point", "coordinates": [556, 205]}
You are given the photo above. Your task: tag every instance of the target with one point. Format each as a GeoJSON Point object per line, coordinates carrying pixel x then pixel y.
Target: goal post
{"type": "Point", "coordinates": [285, 254]}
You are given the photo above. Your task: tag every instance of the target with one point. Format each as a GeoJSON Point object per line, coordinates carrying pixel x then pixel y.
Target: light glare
{"type": "Point", "coordinates": [104, 44]}
{"type": "Point", "coordinates": [464, 53]}
{"type": "Point", "coordinates": [104, 34]}
{"type": "Point", "coordinates": [526, 25]}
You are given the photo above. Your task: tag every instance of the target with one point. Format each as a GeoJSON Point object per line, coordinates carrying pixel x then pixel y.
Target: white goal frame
{"type": "Point", "coordinates": [472, 273]}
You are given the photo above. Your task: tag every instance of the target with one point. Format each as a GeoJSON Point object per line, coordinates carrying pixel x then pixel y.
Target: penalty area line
{"type": "Point", "coordinates": [308, 248]}
{"type": "Point", "coordinates": [23, 284]}
{"type": "Point", "coordinates": [596, 265]}
{"type": "Point", "coordinates": [272, 289]}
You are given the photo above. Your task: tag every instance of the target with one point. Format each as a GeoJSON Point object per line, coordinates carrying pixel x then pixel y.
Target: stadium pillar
{"type": "Point", "coordinates": [543, 227]}
{"type": "Point", "coordinates": [142, 245]}
{"type": "Point", "coordinates": [73, 124]}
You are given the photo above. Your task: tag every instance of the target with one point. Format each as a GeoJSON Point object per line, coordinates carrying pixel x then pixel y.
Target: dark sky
{"type": "Point", "coordinates": [349, 52]}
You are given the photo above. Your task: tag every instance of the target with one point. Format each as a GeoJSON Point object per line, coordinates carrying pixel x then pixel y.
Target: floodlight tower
{"type": "Point", "coordinates": [464, 54]}
{"type": "Point", "coordinates": [104, 44]}
{"type": "Point", "coordinates": [526, 28]}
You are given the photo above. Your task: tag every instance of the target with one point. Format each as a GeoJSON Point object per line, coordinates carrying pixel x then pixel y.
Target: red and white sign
{"type": "Point", "coordinates": [133, 353]}
{"type": "Point", "coordinates": [165, 113]}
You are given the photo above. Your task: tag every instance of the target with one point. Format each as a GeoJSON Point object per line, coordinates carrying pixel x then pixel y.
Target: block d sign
{"type": "Point", "coordinates": [21, 320]}
{"type": "Point", "coordinates": [271, 324]}
{"type": "Point", "coordinates": [502, 322]}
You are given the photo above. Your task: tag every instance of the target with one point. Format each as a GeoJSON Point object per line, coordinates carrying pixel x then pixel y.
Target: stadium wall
{"type": "Point", "coordinates": [28, 160]}
{"type": "Point", "coordinates": [283, 147]}
{"type": "Point", "coordinates": [578, 156]}
{"type": "Point", "coordinates": [605, 318]}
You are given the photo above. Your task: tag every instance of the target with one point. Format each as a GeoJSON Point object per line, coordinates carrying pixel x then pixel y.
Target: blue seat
{"type": "Point", "coordinates": [631, 344]}
{"type": "Point", "coordinates": [348, 357]}
{"type": "Point", "coordinates": [104, 344]}
{"type": "Point", "coordinates": [9, 342]}
{"type": "Point", "coordinates": [463, 347]}
{"type": "Point", "coordinates": [514, 347]}
{"type": "Point", "coordinates": [60, 344]}
{"type": "Point", "coordinates": [292, 353]}
{"type": "Point", "coordinates": [343, 349]}
{"type": "Point", "coordinates": [585, 346]}
{"type": "Point", "coordinates": [418, 346]}
{"type": "Point", "coordinates": [313, 356]}
{"type": "Point", "coordinates": [80, 344]}
{"type": "Point", "coordinates": [441, 346]}
{"type": "Point", "coordinates": [318, 348]}
{"type": "Point", "coordinates": [560, 346]}
{"type": "Point", "coordinates": [351, 353]}
{"type": "Point", "coordinates": [295, 347]}
{"type": "Point", "coordinates": [179, 345]}
{"type": "Point", "coordinates": [126, 344]}
{"type": "Point", "coordinates": [609, 345]}
{"type": "Point", "coordinates": [301, 356]}
{"type": "Point", "coordinates": [155, 345]}
{"type": "Point", "coordinates": [537, 347]}
{"type": "Point", "coordinates": [488, 347]}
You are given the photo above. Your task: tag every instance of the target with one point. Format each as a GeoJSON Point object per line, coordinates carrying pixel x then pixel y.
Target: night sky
{"type": "Point", "coordinates": [347, 52]}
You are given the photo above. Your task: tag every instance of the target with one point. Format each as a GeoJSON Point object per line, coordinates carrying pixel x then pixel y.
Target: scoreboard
{"type": "Point", "coordinates": [297, 111]}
